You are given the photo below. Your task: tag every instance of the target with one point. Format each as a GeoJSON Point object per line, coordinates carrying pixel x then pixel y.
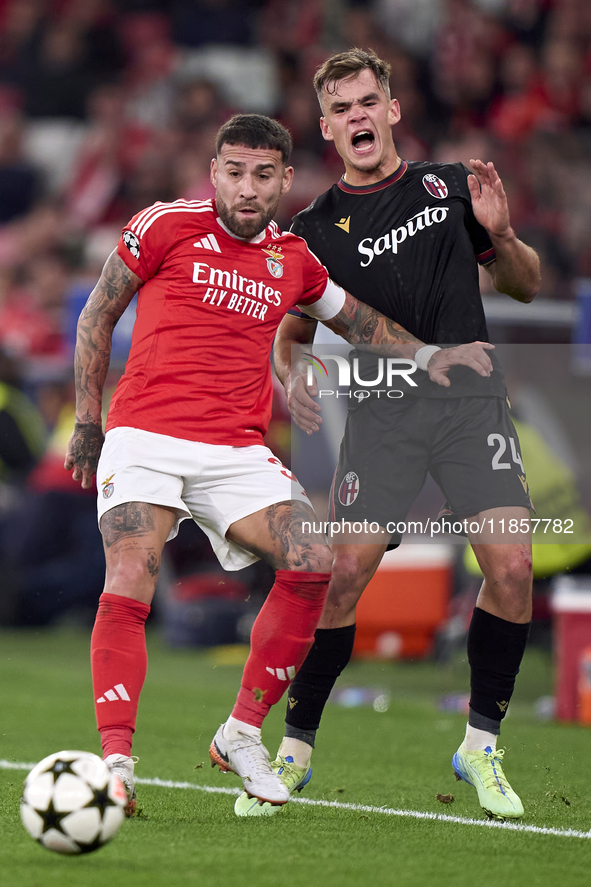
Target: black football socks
{"type": "Point", "coordinates": [311, 687]}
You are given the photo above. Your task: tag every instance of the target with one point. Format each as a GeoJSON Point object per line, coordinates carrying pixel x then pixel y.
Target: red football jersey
{"type": "Point", "coordinates": [207, 313]}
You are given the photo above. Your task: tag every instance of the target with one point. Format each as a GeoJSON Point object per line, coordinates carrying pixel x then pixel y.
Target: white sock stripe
{"type": "Point", "coordinates": [281, 674]}
{"type": "Point", "coordinates": [291, 672]}
{"type": "Point", "coordinates": [111, 696]}
{"type": "Point", "coordinates": [122, 692]}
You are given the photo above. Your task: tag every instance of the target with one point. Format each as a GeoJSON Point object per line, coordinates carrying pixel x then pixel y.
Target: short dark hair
{"type": "Point", "coordinates": [347, 64]}
{"type": "Point", "coordinates": [255, 131]}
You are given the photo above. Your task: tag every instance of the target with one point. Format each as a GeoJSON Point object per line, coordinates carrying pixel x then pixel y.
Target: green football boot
{"type": "Point", "coordinates": [483, 770]}
{"type": "Point", "coordinates": [293, 777]}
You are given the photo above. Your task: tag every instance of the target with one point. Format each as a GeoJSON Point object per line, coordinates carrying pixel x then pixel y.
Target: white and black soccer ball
{"type": "Point", "coordinates": [72, 803]}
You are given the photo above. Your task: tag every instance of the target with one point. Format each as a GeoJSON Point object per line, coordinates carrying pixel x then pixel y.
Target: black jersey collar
{"type": "Point", "coordinates": [377, 186]}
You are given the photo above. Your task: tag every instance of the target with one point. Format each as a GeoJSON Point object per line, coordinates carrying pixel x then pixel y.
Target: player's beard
{"type": "Point", "coordinates": [245, 228]}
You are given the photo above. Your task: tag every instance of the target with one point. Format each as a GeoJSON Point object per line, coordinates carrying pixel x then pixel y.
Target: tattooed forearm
{"type": "Point", "coordinates": [362, 325]}
{"type": "Point", "coordinates": [105, 305]}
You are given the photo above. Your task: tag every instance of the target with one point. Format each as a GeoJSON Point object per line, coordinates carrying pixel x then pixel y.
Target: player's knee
{"type": "Point", "coordinates": [132, 576]}
{"type": "Point", "coordinates": [519, 568]}
{"type": "Point", "coordinates": [349, 570]}
{"type": "Point", "coordinates": [514, 571]}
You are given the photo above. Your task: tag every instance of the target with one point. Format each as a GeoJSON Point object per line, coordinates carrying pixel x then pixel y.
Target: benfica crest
{"type": "Point", "coordinates": [274, 261]}
{"type": "Point", "coordinates": [108, 487]}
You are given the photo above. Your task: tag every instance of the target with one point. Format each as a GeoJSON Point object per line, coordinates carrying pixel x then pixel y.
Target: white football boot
{"type": "Point", "coordinates": [123, 766]}
{"type": "Point", "coordinates": [248, 758]}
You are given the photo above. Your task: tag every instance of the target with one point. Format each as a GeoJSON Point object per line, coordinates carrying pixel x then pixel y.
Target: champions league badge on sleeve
{"type": "Point", "coordinates": [349, 488]}
{"type": "Point", "coordinates": [435, 186]}
{"type": "Point", "coordinates": [132, 244]}
{"type": "Point", "coordinates": [274, 261]}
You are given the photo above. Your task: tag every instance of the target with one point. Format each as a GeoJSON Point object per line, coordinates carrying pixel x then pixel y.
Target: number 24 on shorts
{"type": "Point", "coordinates": [499, 441]}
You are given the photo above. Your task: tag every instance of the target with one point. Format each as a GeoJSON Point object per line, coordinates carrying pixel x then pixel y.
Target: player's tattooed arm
{"type": "Point", "coordinates": [365, 327]}
{"type": "Point", "coordinates": [106, 303]}
{"type": "Point", "coordinates": [362, 325]}
{"type": "Point", "coordinates": [359, 325]}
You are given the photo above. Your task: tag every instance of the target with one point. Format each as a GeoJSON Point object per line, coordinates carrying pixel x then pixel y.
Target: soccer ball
{"type": "Point", "coordinates": [72, 803]}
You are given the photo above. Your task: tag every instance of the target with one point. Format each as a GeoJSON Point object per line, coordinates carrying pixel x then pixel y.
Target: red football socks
{"type": "Point", "coordinates": [119, 663]}
{"type": "Point", "coordinates": [280, 640]}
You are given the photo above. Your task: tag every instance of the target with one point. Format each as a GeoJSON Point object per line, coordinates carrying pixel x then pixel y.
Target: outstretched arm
{"type": "Point", "coordinates": [106, 303]}
{"type": "Point", "coordinates": [516, 269]}
{"type": "Point", "coordinates": [363, 326]}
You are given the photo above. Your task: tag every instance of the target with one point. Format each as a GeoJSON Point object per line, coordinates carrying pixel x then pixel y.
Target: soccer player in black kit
{"type": "Point", "coordinates": [407, 238]}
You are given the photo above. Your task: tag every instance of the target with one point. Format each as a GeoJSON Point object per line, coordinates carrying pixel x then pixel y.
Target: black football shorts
{"type": "Point", "coordinates": [469, 445]}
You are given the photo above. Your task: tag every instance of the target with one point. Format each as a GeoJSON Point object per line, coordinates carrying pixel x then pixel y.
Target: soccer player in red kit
{"type": "Point", "coordinates": [184, 434]}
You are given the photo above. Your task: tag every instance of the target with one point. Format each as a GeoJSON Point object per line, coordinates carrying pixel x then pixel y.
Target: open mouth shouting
{"type": "Point", "coordinates": [363, 141]}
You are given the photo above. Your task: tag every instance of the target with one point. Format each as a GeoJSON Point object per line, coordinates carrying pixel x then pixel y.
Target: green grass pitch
{"type": "Point", "coordinates": [397, 760]}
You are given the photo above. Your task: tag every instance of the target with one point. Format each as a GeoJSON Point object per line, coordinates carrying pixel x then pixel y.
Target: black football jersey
{"type": "Point", "coordinates": [409, 246]}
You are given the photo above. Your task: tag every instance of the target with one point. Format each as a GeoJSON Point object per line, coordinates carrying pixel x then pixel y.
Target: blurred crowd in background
{"type": "Point", "coordinates": [107, 106]}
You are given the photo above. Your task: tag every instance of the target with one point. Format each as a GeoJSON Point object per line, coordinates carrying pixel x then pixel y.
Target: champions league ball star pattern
{"type": "Point", "coordinates": [132, 243]}
{"type": "Point", "coordinates": [72, 803]}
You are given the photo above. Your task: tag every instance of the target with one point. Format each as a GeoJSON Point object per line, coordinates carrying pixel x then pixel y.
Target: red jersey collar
{"type": "Point", "coordinates": [376, 186]}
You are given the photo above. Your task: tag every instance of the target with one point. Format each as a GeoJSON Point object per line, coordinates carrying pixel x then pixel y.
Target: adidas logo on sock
{"type": "Point", "coordinates": [115, 695]}
{"type": "Point", "coordinates": [208, 242]}
{"type": "Point", "coordinates": [281, 673]}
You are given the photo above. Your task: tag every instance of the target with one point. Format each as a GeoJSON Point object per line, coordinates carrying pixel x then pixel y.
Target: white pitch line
{"type": "Point", "coordinates": [357, 808]}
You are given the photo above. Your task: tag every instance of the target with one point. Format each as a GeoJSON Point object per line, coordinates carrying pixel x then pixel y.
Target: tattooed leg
{"type": "Point", "coordinates": [134, 534]}
{"type": "Point", "coordinates": [284, 535]}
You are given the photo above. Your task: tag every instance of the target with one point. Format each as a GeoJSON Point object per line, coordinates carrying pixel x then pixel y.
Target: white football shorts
{"type": "Point", "coordinates": [215, 485]}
